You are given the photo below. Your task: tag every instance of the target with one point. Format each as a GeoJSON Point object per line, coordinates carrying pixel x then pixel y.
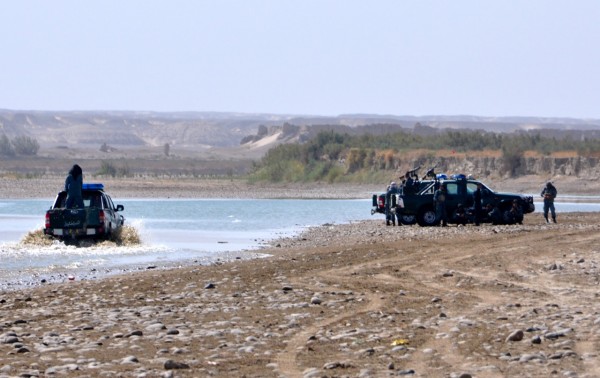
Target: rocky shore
{"type": "Point", "coordinates": [355, 300]}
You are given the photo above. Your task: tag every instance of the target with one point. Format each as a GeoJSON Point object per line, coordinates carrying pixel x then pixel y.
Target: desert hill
{"type": "Point", "coordinates": [201, 130]}
{"type": "Point", "coordinates": [209, 143]}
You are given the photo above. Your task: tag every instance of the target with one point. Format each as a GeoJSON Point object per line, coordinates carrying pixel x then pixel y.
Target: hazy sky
{"type": "Point", "coordinates": [321, 57]}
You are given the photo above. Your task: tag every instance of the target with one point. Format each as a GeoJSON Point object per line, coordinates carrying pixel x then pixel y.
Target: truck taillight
{"type": "Point", "coordinates": [101, 221]}
{"type": "Point", "coordinates": [47, 224]}
{"type": "Point", "coordinates": [381, 202]}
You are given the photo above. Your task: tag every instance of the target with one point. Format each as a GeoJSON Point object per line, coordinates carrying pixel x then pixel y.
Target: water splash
{"type": "Point", "coordinates": [37, 237]}
{"type": "Point", "coordinates": [125, 236]}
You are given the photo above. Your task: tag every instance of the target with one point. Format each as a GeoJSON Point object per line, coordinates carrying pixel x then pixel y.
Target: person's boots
{"type": "Point", "coordinates": [546, 218]}
{"type": "Point", "coordinates": [554, 219]}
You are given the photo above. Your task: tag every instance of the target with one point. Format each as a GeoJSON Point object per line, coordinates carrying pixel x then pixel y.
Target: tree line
{"type": "Point", "coordinates": [21, 145]}
{"type": "Point", "coordinates": [332, 156]}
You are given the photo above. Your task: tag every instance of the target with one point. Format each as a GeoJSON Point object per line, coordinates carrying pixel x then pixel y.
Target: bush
{"type": "Point", "coordinates": [107, 169]}
{"type": "Point", "coordinates": [6, 148]}
{"type": "Point", "coordinates": [512, 158]}
{"type": "Point", "coordinates": [25, 145]}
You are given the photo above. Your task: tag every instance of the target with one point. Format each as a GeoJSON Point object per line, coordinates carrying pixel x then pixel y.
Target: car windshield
{"type": "Point", "coordinates": [472, 187]}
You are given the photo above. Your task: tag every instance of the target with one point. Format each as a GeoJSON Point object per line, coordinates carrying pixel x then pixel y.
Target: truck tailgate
{"type": "Point", "coordinates": [68, 218]}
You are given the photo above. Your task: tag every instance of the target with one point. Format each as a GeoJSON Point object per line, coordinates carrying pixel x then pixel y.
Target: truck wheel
{"type": "Point", "coordinates": [427, 217]}
{"type": "Point", "coordinates": [408, 219]}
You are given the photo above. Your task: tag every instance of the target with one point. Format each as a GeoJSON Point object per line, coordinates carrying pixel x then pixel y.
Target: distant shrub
{"type": "Point", "coordinates": [512, 158]}
{"type": "Point", "coordinates": [110, 169]}
{"type": "Point", "coordinates": [25, 145]}
{"type": "Point", "coordinates": [6, 147]}
{"type": "Point", "coordinates": [107, 169]}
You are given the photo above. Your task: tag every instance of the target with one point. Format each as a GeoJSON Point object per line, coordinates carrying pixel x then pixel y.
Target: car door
{"type": "Point", "coordinates": [453, 197]}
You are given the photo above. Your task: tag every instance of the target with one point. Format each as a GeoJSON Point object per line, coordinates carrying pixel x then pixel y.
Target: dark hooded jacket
{"type": "Point", "coordinates": [73, 185]}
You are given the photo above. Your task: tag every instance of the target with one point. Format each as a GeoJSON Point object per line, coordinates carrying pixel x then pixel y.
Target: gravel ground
{"type": "Point", "coordinates": [355, 300]}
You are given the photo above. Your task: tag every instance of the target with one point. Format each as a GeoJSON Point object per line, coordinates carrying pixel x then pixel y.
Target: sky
{"type": "Point", "coordinates": [312, 57]}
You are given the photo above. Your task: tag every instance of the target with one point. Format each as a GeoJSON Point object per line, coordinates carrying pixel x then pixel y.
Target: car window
{"type": "Point", "coordinates": [471, 188]}
{"type": "Point", "coordinates": [429, 190]}
{"type": "Point", "coordinates": [105, 203]}
{"type": "Point", "coordinates": [91, 199]}
{"type": "Point", "coordinates": [452, 188]}
{"type": "Point", "coordinates": [112, 205]}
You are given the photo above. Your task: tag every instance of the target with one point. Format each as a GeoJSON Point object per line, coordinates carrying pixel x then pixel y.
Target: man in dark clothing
{"type": "Point", "coordinates": [516, 213]}
{"type": "Point", "coordinates": [390, 215]}
{"type": "Point", "coordinates": [409, 184]}
{"type": "Point", "coordinates": [460, 215]}
{"type": "Point", "coordinates": [477, 204]}
{"type": "Point", "coordinates": [73, 185]}
{"type": "Point", "coordinates": [439, 201]}
{"type": "Point", "coordinates": [549, 194]}
{"type": "Point", "coordinates": [494, 214]}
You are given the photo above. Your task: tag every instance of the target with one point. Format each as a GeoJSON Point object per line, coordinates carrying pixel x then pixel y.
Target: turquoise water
{"type": "Point", "coordinates": [178, 230]}
{"type": "Point", "coordinates": [171, 230]}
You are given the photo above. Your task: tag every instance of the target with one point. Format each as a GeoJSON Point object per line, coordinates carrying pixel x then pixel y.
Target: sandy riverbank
{"type": "Point", "coordinates": [345, 300]}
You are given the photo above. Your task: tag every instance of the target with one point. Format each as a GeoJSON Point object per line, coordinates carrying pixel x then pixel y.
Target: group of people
{"type": "Point", "coordinates": [476, 214]}
{"type": "Point", "coordinates": [492, 212]}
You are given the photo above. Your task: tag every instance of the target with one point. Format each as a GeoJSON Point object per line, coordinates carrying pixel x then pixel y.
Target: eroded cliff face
{"type": "Point", "coordinates": [585, 167]}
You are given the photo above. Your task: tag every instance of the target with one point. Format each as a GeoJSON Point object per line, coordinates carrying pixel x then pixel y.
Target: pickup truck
{"type": "Point", "coordinates": [99, 219]}
{"type": "Point", "coordinates": [406, 219]}
{"type": "Point", "coordinates": [459, 190]}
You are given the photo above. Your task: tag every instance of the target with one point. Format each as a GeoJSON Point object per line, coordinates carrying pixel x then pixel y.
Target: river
{"type": "Point", "coordinates": [174, 231]}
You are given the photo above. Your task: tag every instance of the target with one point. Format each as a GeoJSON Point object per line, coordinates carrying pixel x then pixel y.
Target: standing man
{"type": "Point", "coordinates": [439, 201]}
{"type": "Point", "coordinates": [73, 184]}
{"type": "Point", "coordinates": [390, 215]}
{"type": "Point", "coordinates": [549, 194]}
{"type": "Point", "coordinates": [409, 183]}
{"type": "Point", "coordinates": [477, 204]}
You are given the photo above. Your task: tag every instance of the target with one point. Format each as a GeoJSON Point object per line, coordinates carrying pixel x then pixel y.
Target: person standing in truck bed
{"type": "Point", "coordinates": [73, 185]}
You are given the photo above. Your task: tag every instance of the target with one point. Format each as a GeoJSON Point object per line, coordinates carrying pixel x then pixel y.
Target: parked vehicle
{"type": "Point", "coordinates": [99, 219]}
{"type": "Point", "coordinates": [459, 190]}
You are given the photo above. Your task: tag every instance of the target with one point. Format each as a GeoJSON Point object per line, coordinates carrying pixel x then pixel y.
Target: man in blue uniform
{"type": "Point", "coordinates": [439, 201]}
{"type": "Point", "coordinates": [549, 194]}
{"type": "Point", "coordinates": [390, 216]}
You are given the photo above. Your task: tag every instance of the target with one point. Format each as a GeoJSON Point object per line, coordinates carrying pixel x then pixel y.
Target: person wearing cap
{"type": "Point", "coordinates": [549, 194]}
{"type": "Point", "coordinates": [390, 215]}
